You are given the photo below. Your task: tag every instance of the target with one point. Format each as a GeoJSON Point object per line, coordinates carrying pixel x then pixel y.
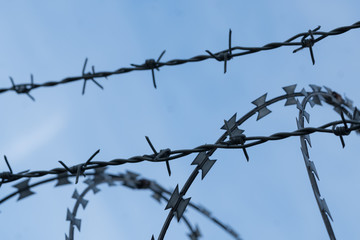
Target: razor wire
{"type": "Point", "coordinates": [302, 40]}
{"type": "Point", "coordinates": [130, 180]}
{"type": "Point", "coordinates": [232, 138]}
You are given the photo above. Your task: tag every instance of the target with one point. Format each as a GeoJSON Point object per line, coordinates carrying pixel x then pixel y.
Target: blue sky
{"type": "Point", "coordinates": [269, 197]}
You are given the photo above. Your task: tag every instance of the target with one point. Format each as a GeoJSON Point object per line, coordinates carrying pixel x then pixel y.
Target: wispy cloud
{"type": "Point", "coordinates": [29, 141]}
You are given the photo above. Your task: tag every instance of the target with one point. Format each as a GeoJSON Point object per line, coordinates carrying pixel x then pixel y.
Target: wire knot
{"type": "Point", "coordinates": [237, 139]}
{"type": "Point", "coordinates": [9, 175]}
{"type": "Point", "coordinates": [79, 169]}
{"type": "Point", "coordinates": [23, 88]}
{"type": "Point", "coordinates": [89, 76]}
{"type": "Point", "coordinates": [151, 64]}
{"type": "Point", "coordinates": [308, 43]}
{"type": "Point", "coordinates": [341, 131]}
{"type": "Point", "coordinates": [235, 134]}
{"type": "Point", "coordinates": [223, 56]}
{"type": "Point", "coordinates": [164, 153]}
{"type": "Point", "coordinates": [6, 175]}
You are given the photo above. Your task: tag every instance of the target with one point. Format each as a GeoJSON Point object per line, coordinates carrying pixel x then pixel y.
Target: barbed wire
{"type": "Point", "coordinates": [304, 40]}
{"type": "Point", "coordinates": [235, 134]}
{"type": "Point", "coordinates": [166, 155]}
{"type": "Point", "coordinates": [232, 138]}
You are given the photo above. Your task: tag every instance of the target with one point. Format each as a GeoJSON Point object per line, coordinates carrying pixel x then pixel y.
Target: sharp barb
{"type": "Point", "coordinates": [246, 154]}
{"type": "Point", "coordinates": [312, 55]}
{"type": "Point", "coordinates": [343, 119]}
{"type": "Point", "coordinates": [342, 141]}
{"type": "Point", "coordinates": [32, 98]}
{"type": "Point", "coordinates": [84, 67]}
{"type": "Point", "coordinates": [153, 77]}
{"type": "Point", "coordinates": [84, 85]}
{"type": "Point", "coordinates": [230, 51]}
{"type": "Point", "coordinates": [7, 163]}
{"type": "Point", "coordinates": [161, 55]}
{"type": "Point", "coordinates": [92, 156]}
{"type": "Point", "coordinates": [32, 79]}
{"type": "Point", "coordinates": [12, 81]}
{"type": "Point", "coordinates": [66, 167]}
{"type": "Point", "coordinates": [78, 174]}
{"type": "Point", "coordinates": [211, 54]}
{"type": "Point", "coordinates": [152, 146]}
{"type": "Point", "coordinates": [98, 84]}
{"type": "Point", "coordinates": [227, 128]}
{"type": "Point", "coordinates": [168, 168]}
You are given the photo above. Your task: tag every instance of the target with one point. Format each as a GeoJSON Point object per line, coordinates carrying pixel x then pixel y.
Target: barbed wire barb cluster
{"type": "Point", "coordinates": [224, 55]}
{"type": "Point", "coordinates": [232, 138]}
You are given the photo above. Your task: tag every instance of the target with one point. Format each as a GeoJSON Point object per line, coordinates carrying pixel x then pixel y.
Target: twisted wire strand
{"type": "Point", "coordinates": [299, 39]}
{"type": "Point", "coordinates": [184, 152]}
{"type": "Point", "coordinates": [327, 97]}
{"type": "Point", "coordinates": [235, 140]}
{"type": "Point", "coordinates": [176, 154]}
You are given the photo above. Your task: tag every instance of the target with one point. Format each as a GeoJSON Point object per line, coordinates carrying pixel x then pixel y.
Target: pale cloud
{"type": "Point", "coordinates": [29, 141]}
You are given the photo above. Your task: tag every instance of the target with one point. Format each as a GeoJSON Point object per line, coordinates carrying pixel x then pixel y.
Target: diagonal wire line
{"type": "Point", "coordinates": [176, 154]}
{"type": "Point", "coordinates": [81, 168]}
{"type": "Point", "coordinates": [236, 140]}
{"type": "Point", "coordinates": [150, 64]}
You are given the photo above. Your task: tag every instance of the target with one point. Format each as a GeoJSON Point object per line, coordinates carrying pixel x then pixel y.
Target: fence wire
{"type": "Point", "coordinates": [300, 40]}
{"type": "Point", "coordinates": [232, 138]}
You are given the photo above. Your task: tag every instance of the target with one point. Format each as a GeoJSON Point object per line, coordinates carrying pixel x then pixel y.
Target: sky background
{"type": "Point", "coordinates": [269, 197]}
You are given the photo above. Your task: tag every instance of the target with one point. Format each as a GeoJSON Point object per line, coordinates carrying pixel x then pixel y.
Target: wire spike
{"type": "Point", "coordinates": [73, 220]}
{"type": "Point", "coordinates": [230, 50]}
{"type": "Point", "coordinates": [315, 88]}
{"type": "Point", "coordinates": [304, 92]}
{"type": "Point", "coordinates": [80, 199]}
{"type": "Point", "coordinates": [260, 103]}
{"type": "Point", "coordinates": [84, 67]}
{"type": "Point", "coordinates": [32, 98]}
{"type": "Point", "coordinates": [7, 163]}
{"type": "Point", "coordinates": [174, 198]}
{"type": "Point", "coordinates": [307, 138]}
{"type": "Point", "coordinates": [231, 123]}
{"type": "Point", "coordinates": [12, 82]}
{"type": "Point", "coordinates": [206, 164]}
{"type": "Point", "coordinates": [161, 55]}
{"type": "Point", "coordinates": [290, 90]}
{"type": "Point", "coordinates": [181, 208]}
{"type": "Point", "coordinates": [163, 153]}
{"type": "Point", "coordinates": [92, 185]}
{"type": "Point", "coordinates": [24, 189]}
{"type": "Point", "coordinates": [62, 179]}
{"type": "Point", "coordinates": [130, 179]}
{"type": "Point", "coordinates": [325, 208]}
{"type": "Point", "coordinates": [92, 156]}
